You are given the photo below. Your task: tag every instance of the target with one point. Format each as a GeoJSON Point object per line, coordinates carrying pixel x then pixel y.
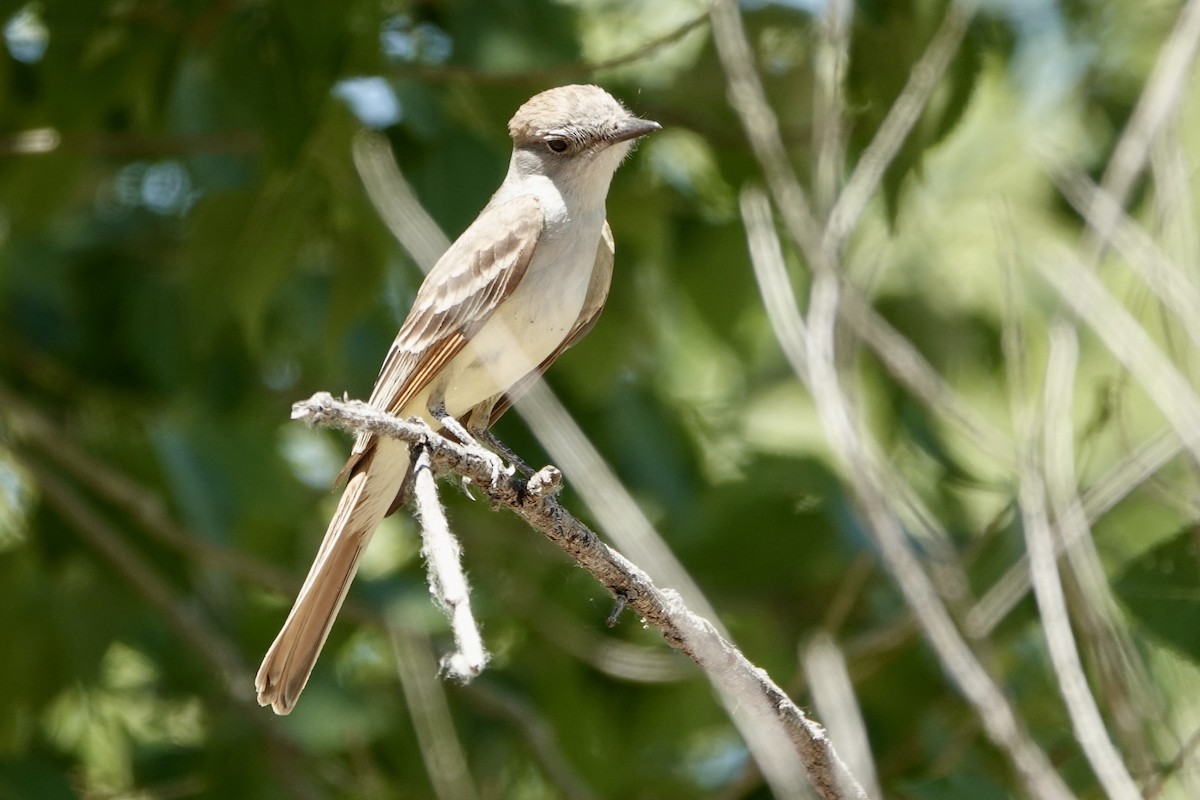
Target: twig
{"type": "Point", "coordinates": [788, 326]}
{"type": "Point", "coordinates": [395, 201]}
{"type": "Point", "coordinates": [679, 626]}
{"type": "Point", "coordinates": [829, 101]}
{"type": "Point", "coordinates": [621, 519]}
{"type": "Point", "coordinates": [39, 141]}
{"type": "Point", "coordinates": [1121, 673]}
{"type": "Point", "coordinates": [1173, 287]}
{"type": "Point", "coordinates": [1185, 756]}
{"type": "Point", "coordinates": [897, 354]}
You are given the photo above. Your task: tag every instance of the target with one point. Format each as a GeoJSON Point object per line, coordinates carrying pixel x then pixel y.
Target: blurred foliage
{"type": "Point", "coordinates": [186, 248]}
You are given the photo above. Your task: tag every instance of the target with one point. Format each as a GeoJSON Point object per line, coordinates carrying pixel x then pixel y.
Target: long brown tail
{"type": "Point", "coordinates": [368, 495]}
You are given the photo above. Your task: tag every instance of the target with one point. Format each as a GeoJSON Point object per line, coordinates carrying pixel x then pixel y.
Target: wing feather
{"type": "Point", "coordinates": [458, 296]}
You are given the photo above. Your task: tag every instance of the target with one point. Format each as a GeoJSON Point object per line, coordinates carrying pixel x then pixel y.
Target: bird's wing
{"type": "Point", "coordinates": [593, 304]}
{"type": "Point", "coordinates": [461, 292]}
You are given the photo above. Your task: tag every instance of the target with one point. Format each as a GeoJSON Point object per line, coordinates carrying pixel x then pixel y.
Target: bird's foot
{"type": "Point", "coordinates": [496, 464]}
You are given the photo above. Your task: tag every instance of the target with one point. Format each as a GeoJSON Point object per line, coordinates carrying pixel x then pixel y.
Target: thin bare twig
{"type": "Point", "coordinates": [1173, 287]}
{"type": "Point", "coordinates": [1121, 674]}
{"type": "Point", "coordinates": [784, 316]}
{"type": "Point", "coordinates": [1184, 757]}
{"type": "Point", "coordinates": [664, 609]}
{"type": "Point", "coordinates": [829, 101]}
{"type": "Point", "coordinates": [897, 354]}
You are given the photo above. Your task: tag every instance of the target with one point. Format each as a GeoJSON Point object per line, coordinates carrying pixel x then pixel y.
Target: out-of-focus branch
{"type": "Point", "coordinates": [222, 657]}
{"type": "Point", "coordinates": [683, 629]}
{"type": "Point", "coordinates": [1129, 343]}
{"type": "Point", "coordinates": [995, 712]}
{"type": "Point", "coordinates": [830, 61]}
{"type": "Point", "coordinates": [1099, 621]}
{"type": "Point", "coordinates": [1185, 756]}
{"type": "Point", "coordinates": [1173, 287]}
{"type": "Point", "coordinates": [749, 100]}
{"type": "Point", "coordinates": [445, 760]}
{"type": "Point", "coordinates": [833, 695]}
{"type": "Point", "coordinates": [789, 328]}
{"type": "Point", "coordinates": [1154, 107]}
{"type": "Point", "coordinates": [900, 119]}
{"type": "Point", "coordinates": [139, 503]}
{"type": "Point", "coordinates": [207, 644]}
{"type": "Point", "coordinates": [1106, 761]}
{"type": "Point", "coordinates": [1138, 466]}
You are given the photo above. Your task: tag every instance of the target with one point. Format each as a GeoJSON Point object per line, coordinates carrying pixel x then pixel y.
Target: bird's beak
{"type": "Point", "coordinates": [632, 128]}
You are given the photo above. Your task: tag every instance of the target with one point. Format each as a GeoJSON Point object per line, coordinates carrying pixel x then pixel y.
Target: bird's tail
{"type": "Point", "coordinates": [368, 495]}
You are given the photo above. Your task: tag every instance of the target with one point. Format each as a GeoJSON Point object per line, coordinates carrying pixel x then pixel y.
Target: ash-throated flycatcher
{"type": "Point", "coordinates": [521, 285]}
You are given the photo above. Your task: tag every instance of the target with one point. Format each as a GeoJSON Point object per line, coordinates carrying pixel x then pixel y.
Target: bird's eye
{"type": "Point", "coordinates": [557, 145]}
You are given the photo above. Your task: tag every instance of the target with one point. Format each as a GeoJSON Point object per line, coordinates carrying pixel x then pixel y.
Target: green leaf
{"type": "Point", "coordinates": [1162, 589]}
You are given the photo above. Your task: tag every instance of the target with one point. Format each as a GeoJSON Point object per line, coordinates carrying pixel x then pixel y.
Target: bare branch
{"type": "Point", "coordinates": [1137, 467]}
{"type": "Point", "coordinates": [1173, 287]}
{"type": "Point", "coordinates": [830, 63]}
{"type": "Point", "coordinates": [683, 629]}
{"type": "Point", "coordinates": [1183, 758]}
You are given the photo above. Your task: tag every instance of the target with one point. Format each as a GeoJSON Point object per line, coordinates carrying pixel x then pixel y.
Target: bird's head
{"type": "Point", "coordinates": [574, 133]}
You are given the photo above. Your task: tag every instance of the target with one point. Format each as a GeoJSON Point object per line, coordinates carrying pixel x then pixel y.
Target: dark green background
{"type": "Point", "coordinates": [196, 251]}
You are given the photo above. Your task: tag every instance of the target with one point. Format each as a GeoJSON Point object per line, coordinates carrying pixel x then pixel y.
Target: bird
{"type": "Point", "coordinates": [524, 282]}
